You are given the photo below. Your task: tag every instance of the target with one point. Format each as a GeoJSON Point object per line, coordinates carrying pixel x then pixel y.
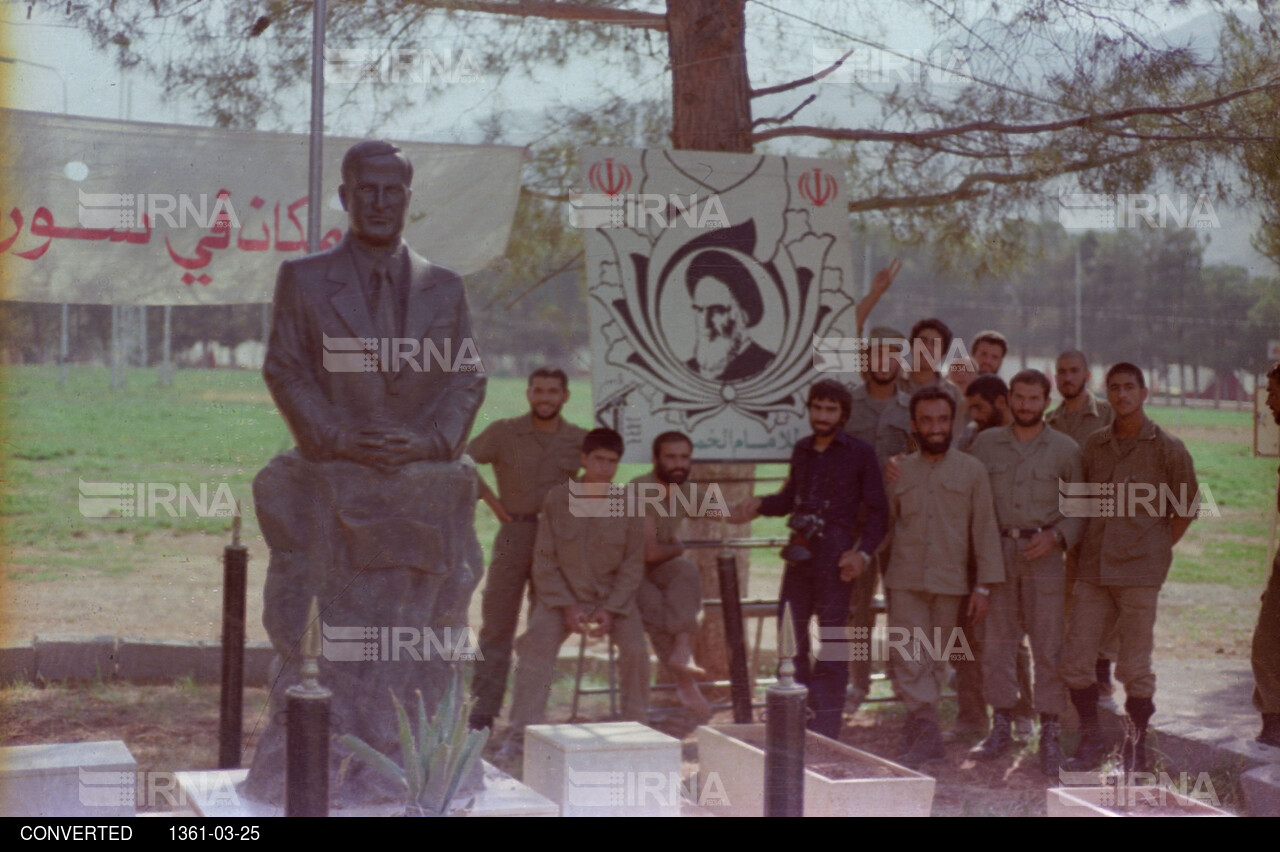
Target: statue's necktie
{"type": "Point", "coordinates": [384, 311]}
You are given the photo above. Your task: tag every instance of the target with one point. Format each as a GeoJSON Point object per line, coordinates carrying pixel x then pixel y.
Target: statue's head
{"type": "Point", "coordinates": [375, 191]}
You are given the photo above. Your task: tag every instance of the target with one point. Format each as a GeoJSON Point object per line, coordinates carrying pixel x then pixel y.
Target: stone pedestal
{"type": "Point", "coordinates": [97, 779]}
{"type": "Point", "coordinates": [393, 560]}
{"type": "Point", "coordinates": [604, 769]}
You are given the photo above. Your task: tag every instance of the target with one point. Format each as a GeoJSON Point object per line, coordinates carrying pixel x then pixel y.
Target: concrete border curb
{"type": "Point", "coordinates": [55, 657]}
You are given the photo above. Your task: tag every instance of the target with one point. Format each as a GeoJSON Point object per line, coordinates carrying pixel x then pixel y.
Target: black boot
{"type": "Point", "coordinates": [1102, 673]}
{"type": "Point", "coordinates": [910, 731]}
{"type": "Point", "coordinates": [928, 747]}
{"type": "Point", "coordinates": [1134, 750]}
{"type": "Point", "coordinates": [1050, 750]}
{"type": "Point", "coordinates": [1093, 746]}
{"type": "Point", "coordinates": [1270, 730]}
{"type": "Point", "coordinates": [999, 741]}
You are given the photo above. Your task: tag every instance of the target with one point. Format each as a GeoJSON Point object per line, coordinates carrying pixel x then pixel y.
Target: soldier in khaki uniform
{"type": "Point", "coordinates": [941, 509]}
{"type": "Point", "coordinates": [1266, 636]}
{"type": "Point", "coordinates": [670, 597]}
{"type": "Point", "coordinates": [930, 342]}
{"type": "Point", "coordinates": [1079, 416]}
{"type": "Point", "coordinates": [881, 416]}
{"type": "Point", "coordinates": [1124, 558]}
{"type": "Point", "coordinates": [988, 351]}
{"type": "Point", "coordinates": [1026, 461]}
{"type": "Point", "coordinates": [1081, 413]}
{"type": "Point", "coordinates": [529, 455]}
{"type": "Point", "coordinates": [587, 567]}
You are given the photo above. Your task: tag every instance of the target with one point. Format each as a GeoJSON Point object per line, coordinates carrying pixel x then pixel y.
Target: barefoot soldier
{"type": "Point", "coordinates": [670, 597]}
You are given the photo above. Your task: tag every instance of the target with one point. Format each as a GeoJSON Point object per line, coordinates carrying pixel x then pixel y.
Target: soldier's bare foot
{"type": "Point", "coordinates": [681, 659]}
{"type": "Point", "coordinates": [689, 694]}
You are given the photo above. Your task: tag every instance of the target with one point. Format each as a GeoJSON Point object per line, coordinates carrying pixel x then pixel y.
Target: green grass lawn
{"type": "Point", "coordinates": [220, 426]}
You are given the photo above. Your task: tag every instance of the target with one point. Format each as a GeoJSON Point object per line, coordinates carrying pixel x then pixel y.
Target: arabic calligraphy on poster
{"type": "Point", "coordinates": [709, 276]}
{"type": "Point", "coordinates": [108, 212]}
{"type": "Point", "coordinates": [42, 231]}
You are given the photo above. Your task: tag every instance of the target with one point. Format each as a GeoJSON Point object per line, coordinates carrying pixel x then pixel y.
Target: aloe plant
{"type": "Point", "coordinates": [436, 761]}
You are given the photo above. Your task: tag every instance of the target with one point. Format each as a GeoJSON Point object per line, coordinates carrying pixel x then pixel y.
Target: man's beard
{"type": "Point", "coordinates": [1063, 389]}
{"type": "Point", "coordinates": [714, 348]}
{"type": "Point", "coordinates": [873, 379]}
{"type": "Point", "coordinates": [555, 412]}
{"type": "Point", "coordinates": [936, 446]}
{"type": "Point", "coordinates": [822, 430]}
{"type": "Point", "coordinates": [1028, 421]}
{"type": "Point", "coordinates": [671, 476]}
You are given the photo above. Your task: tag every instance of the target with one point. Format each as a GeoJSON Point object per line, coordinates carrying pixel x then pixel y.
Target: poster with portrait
{"type": "Point", "coordinates": [708, 276]}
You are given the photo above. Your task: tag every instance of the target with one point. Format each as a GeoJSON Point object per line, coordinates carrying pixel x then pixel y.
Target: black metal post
{"type": "Point", "coordinates": [786, 704]}
{"type": "Point", "coordinates": [731, 613]}
{"type": "Point", "coordinates": [307, 708]}
{"type": "Point", "coordinates": [235, 567]}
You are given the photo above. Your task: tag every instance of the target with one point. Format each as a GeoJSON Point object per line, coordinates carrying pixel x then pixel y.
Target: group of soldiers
{"type": "Point", "coordinates": [943, 485]}
{"type": "Point", "coordinates": [935, 480]}
{"type": "Point", "coordinates": [586, 572]}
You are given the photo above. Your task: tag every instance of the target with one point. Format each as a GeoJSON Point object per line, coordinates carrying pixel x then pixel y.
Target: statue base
{"type": "Point", "coordinates": [393, 560]}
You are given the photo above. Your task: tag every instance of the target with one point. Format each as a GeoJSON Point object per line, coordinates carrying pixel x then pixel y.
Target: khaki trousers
{"type": "Point", "coordinates": [918, 673]}
{"type": "Point", "coordinates": [669, 600]}
{"type": "Point", "coordinates": [504, 594]}
{"type": "Point", "coordinates": [1111, 642]}
{"type": "Point", "coordinates": [536, 653]}
{"type": "Point", "coordinates": [1028, 603]}
{"type": "Point", "coordinates": [1266, 647]}
{"type": "Point", "coordinates": [1131, 612]}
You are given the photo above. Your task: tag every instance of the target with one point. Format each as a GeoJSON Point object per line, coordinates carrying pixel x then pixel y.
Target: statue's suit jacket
{"type": "Point", "coordinates": [321, 295]}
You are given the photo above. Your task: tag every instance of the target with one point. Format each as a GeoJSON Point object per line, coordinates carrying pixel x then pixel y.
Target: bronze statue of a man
{"type": "Point", "coordinates": [372, 364]}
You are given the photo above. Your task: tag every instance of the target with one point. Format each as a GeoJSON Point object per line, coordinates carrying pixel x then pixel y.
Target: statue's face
{"type": "Point", "coordinates": [376, 198]}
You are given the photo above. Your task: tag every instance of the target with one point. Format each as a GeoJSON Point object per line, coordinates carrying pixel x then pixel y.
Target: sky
{"type": "Point", "coordinates": [83, 81]}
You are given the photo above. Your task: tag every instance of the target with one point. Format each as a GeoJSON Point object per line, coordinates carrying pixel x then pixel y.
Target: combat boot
{"type": "Point", "coordinates": [999, 741]}
{"type": "Point", "coordinates": [910, 731]}
{"type": "Point", "coordinates": [1102, 672]}
{"type": "Point", "coordinates": [1270, 730]}
{"type": "Point", "coordinates": [1050, 750]}
{"type": "Point", "coordinates": [1093, 745]}
{"type": "Point", "coordinates": [928, 747]}
{"type": "Point", "coordinates": [1134, 750]}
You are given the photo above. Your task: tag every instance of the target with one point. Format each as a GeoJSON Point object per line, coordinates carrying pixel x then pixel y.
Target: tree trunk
{"type": "Point", "coordinates": [711, 111]}
{"type": "Point", "coordinates": [710, 92]}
